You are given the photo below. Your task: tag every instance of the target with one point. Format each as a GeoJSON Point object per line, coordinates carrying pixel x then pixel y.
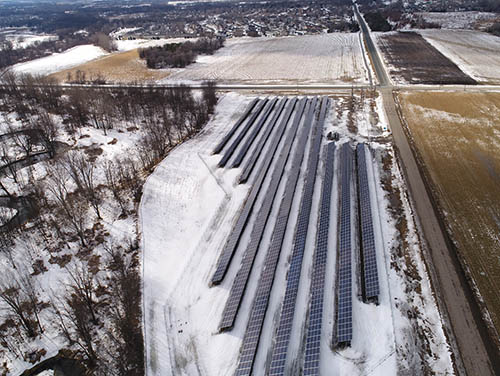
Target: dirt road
{"type": "Point", "coordinates": [473, 350]}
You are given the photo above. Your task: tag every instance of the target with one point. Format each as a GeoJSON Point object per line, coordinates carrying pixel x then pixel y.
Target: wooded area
{"type": "Point", "coordinates": [179, 55]}
{"type": "Point", "coordinates": [98, 309]}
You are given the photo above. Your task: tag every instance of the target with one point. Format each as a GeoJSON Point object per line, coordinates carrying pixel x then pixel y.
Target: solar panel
{"type": "Point", "coordinates": [278, 356]}
{"type": "Point", "coordinates": [239, 226]}
{"type": "Point", "coordinates": [315, 317]}
{"type": "Point", "coordinates": [368, 249]}
{"type": "Point", "coordinates": [259, 307]}
{"type": "Point", "coordinates": [262, 106]}
{"type": "Point", "coordinates": [230, 134]}
{"type": "Point", "coordinates": [240, 281]}
{"type": "Point", "coordinates": [344, 289]}
{"type": "Point", "coordinates": [255, 131]}
{"type": "Point", "coordinates": [247, 170]}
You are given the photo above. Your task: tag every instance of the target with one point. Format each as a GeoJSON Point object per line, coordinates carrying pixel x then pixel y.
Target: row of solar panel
{"type": "Point", "coordinates": [238, 228]}
{"type": "Point", "coordinates": [262, 216]}
{"type": "Point", "coordinates": [261, 300]}
{"type": "Point", "coordinates": [264, 107]}
{"type": "Point", "coordinates": [315, 317]}
{"type": "Point", "coordinates": [280, 348]}
{"type": "Point", "coordinates": [343, 334]}
{"type": "Point", "coordinates": [368, 251]}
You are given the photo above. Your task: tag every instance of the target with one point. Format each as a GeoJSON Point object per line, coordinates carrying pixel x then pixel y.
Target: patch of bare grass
{"type": "Point", "coordinates": [121, 67]}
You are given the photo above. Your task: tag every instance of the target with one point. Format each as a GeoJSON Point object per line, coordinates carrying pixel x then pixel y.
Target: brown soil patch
{"type": "Point", "coordinates": [458, 138]}
{"type": "Point", "coordinates": [120, 67]}
{"type": "Point", "coordinates": [417, 61]}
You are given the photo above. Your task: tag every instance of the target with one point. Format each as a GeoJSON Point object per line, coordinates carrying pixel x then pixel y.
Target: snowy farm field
{"type": "Point", "coordinates": [324, 58]}
{"type": "Point", "coordinates": [457, 137]}
{"type": "Point", "coordinates": [476, 53]}
{"type": "Point", "coordinates": [461, 20]}
{"type": "Point", "coordinates": [59, 61]}
{"type": "Point", "coordinates": [123, 66]}
{"type": "Point", "coordinates": [200, 288]}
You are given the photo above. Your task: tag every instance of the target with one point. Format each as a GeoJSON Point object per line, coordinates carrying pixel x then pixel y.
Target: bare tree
{"type": "Point", "coordinates": [28, 286]}
{"type": "Point", "coordinates": [113, 182]}
{"type": "Point", "coordinates": [125, 293]}
{"type": "Point", "coordinates": [82, 173]}
{"type": "Point", "coordinates": [104, 41]}
{"type": "Point", "coordinates": [19, 303]}
{"type": "Point", "coordinates": [48, 131]}
{"type": "Point", "coordinates": [77, 111]}
{"type": "Point", "coordinates": [9, 166]}
{"type": "Point", "coordinates": [83, 285]}
{"type": "Point", "coordinates": [77, 317]}
{"type": "Point", "coordinates": [209, 95]}
{"type": "Point", "coordinates": [73, 208]}
{"type": "Point", "coordinates": [6, 245]}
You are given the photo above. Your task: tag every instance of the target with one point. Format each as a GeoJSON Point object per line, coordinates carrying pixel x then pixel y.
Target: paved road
{"type": "Point", "coordinates": [473, 349]}
{"type": "Point", "coordinates": [342, 88]}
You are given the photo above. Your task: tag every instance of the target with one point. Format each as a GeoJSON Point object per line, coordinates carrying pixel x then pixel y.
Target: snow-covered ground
{"type": "Point", "coordinates": [60, 61]}
{"type": "Point", "coordinates": [122, 31]}
{"type": "Point", "coordinates": [24, 40]}
{"type": "Point", "coordinates": [53, 282]}
{"type": "Point", "coordinates": [186, 213]}
{"type": "Point", "coordinates": [460, 20]}
{"type": "Point", "coordinates": [127, 45]}
{"type": "Point", "coordinates": [476, 53]}
{"type": "Point", "coordinates": [324, 58]}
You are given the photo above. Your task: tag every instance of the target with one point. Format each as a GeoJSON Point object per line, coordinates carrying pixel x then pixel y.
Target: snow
{"type": "Point", "coordinates": [186, 214]}
{"type": "Point", "coordinates": [30, 247]}
{"type": "Point", "coordinates": [460, 20]}
{"type": "Point", "coordinates": [25, 40]}
{"type": "Point", "coordinates": [475, 52]}
{"type": "Point", "coordinates": [127, 45]}
{"type": "Point", "coordinates": [123, 31]}
{"type": "Point", "coordinates": [60, 61]}
{"type": "Point", "coordinates": [323, 58]}
{"type": "Point", "coordinates": [182, 203]}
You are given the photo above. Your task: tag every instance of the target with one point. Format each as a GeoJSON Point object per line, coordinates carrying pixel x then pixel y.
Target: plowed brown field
{"type": "Point", "coordinates": [458, 139]}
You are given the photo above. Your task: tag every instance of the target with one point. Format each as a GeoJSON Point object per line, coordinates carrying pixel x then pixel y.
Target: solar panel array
{"type": "Point", "coordinates": [315, 317]}
{"type": "Point", "coordinates": [278, 357]}
{"type": "Point", "coordinates": [255, 131]}
{"type": "Point", "coordinates": [247, 170]}
{"type": "Point", "coordinates": [344, 289]}
{"type": "Point", "coordinates": [241, 279]}
{"type": "Point", "coordinates": [230, 134]}
{"type": "Point", "coordinates": [368, 250]}
{"type": "Point", "coordinates": [259, 307]}
{"type": "Point", "coordinates": [239, 226]}
{"type": "Point", "coordinates": [262, 106]}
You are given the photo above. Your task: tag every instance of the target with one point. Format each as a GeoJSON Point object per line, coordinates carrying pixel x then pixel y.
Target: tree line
{"type": "Point", "coordinates": [179, 55]}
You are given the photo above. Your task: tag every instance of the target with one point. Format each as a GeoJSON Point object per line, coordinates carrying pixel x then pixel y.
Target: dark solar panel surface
{"type": "Point", "coordinates": [239, 226]}
{"type": "Point", "coordinates": [369, 254]}
{"type": "Point", "coordinates": [230, 134]}
{"type": "Point", "coordinates": [344, 289]}
{"type": "Point", "coordinates": [315, 318]}
{"type": "Point", "coordinates": [255, 131]}
{"type": "Point", "coordinates": [261, 107]}
{"type": "Point", "coordinates": [249, 166]}
{"type": "Point", "coordinates": [278, 357]}
{"type": "Point", "coordinates": [258, 310]}
{"type": "Point", "coordinates": [241, 279]}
